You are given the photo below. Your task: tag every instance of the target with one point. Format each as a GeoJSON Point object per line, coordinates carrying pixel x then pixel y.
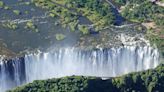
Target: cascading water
{"type": "Point", "coordinates": [66, 62]}
{"type": "Point", "coordinates": [11, 73]}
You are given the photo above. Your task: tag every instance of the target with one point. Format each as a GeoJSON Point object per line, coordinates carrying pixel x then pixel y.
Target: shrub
{"type": "Point", "coordinates": [17, 12]}
{"type": "Point", "coordinates": [7, 7]}
{"type": "Point", "coordinates": [60, 37]}
{"type": "Point", "coordinates": [1, 4]}
{"type": "Point", "coordinates": [32, 26]}
{"type": "Point", "coordinates": [10, 25]}
{"type": "Point", "coordinates": [83, 29]}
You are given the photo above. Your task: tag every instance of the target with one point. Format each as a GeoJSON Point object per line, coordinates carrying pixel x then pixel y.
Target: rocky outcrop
{"type": "Point", "coordinates": [133, 35]}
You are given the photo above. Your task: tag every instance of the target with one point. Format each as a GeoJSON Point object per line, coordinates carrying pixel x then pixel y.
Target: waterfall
{"type": "Point", "coordinates": [11, 73]}
{"type": "Point", "coordinates": [109, 62]}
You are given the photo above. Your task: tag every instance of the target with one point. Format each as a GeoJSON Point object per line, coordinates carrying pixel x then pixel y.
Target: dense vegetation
{"type": "Point", "coordinates": [143, 11]}
{"type": "Point", "coordinates": [157, 39]}
{"type": "Point", "coordinates": [147, 81]}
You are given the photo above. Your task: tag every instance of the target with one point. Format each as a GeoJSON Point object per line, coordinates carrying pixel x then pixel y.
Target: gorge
{"type": "Point", "coordinates": [105, 63]}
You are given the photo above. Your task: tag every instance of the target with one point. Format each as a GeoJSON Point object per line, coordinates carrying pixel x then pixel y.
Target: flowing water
{"type": "Point", "coordinates": [69, 61]}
